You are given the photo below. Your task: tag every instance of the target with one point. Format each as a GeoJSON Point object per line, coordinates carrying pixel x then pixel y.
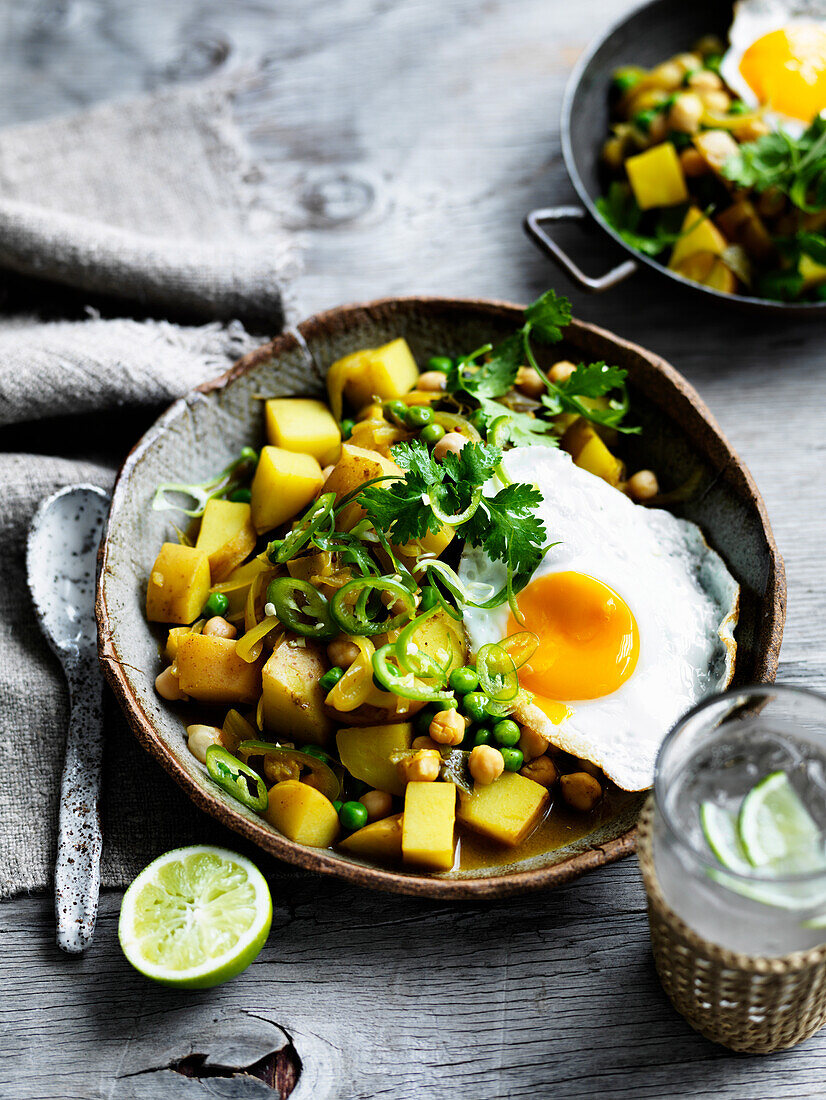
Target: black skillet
{"type": "Point", "coordinates": [647, 36]}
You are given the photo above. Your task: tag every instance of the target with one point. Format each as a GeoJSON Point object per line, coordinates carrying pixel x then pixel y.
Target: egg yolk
{"type": "Point", "coordinates": [786, 70]}
{"type": "Point", "coordinates": [588, 638]}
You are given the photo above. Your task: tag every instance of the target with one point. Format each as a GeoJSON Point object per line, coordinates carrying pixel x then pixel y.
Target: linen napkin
{"type": "Point", "coordinates": [155, 205]}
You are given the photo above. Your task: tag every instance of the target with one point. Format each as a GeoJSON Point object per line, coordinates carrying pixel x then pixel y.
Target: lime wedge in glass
{"type": "Point", "coordinates": [195, 917]}
{"type": "Point", "coordinates": [774, 825]}
{"type": "Point", "coordinates": [720, 830]}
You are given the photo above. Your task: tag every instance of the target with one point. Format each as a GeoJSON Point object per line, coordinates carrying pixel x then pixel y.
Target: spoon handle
{"type": "Point", "coordinates": [79, 839]}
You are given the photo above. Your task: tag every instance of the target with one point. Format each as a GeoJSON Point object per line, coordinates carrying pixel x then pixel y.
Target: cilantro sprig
{"type": "Point", "coordinates": [795, 166]}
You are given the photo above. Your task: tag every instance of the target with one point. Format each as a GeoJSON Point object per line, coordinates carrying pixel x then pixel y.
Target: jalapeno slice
{"type": "Point", "coordinates": [404, 684]}
{"type": "Point", "coordinates": [301, 608]}
{"type": "Point", "coordinates": [283, 550]}
{"type": "Point", "coordinates": [497, 673]}
{"type": "Point", "coordinates": [282, 763]}
{"type": "Point", "coordinates": [236, 778]}
{"type": "Point", "coordinates": [350, 608]}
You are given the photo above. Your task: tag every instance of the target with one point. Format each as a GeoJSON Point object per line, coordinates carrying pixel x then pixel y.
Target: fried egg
{"type": "Point", "coordinates": [634, 613]}
{"type": "Point", "coordinates": [777, 59]}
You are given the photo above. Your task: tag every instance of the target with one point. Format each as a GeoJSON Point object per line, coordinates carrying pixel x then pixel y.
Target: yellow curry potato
{"type": "Point", "coordinates": [284, 484]}
{"type": "Point", "coordinates": [365, 753]}
{"type": "Point", "coordinates": [427, 825]}
{"type": "Point", "coordinates": [303, 424]}
{"type": "Point", "coordinates": [708, 269]}
{"type": "Point", "coordinates": [716, 147]}
{"type": "Point", "coordinates": [173, 640]}
{"type": "Point", "coordinates": [302, 814]}
{"type": "Point", "coordinates": [742, 223]}
{"type": "Point", "coordinates": [505, 810]}
{"type": "Point", "coordinates": [211, 671]}
{"type": "Point", "coordinates": [293, 699]}
{"type": "Point", "coordinates": [699, 234]}
{"type": "Point", "coordinates": [226, 535]}
{"type": "Point", "coordinates": [178, 584]}
{"type": "Point", "coordinates": [589, 452]}
{"type": "Point", "coordinates": [656, 177]}
{"type": "Point", "coordinates": [813, 273]}
{"type": "Point", "coordinates": [379, 840]}
{"type": "Point", "coordinates": [385, 372]}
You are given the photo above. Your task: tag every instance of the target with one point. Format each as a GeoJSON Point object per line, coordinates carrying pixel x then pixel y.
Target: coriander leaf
{"type": "Point", "coordinates": [780, 286]}
{"type": "Point", "coordinates": [418, 462]}
{"type": "Point", "coordinates": [496, 375]}
{"type": "Point", "coordinates": [594, 380]}
{"type": "Point", "coordinates": [795, 166]}
{"type": "Point", "coordinates": [620, 211]}
{"type": "Point", "coordinates": [814, 245]}
{"type": "Point", "coordinates": [508, 529]}
{"type": "Point", "coordinates": [548, 316]}
{"type": "Point", "coordinates": [521, 429]}
{"type": "Point", "coordinates": [473, 465]}
{"type": "Point", "coordinates": [398, 510]}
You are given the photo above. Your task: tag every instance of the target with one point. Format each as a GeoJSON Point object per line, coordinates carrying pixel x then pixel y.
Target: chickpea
{"type": "Point", "coordinates": [750, 130]}
{"type": "Point", "coordinates": [642, 485]}
{"type": "Point", "coordinates": [378, 804]}
{"type": "Point", "coordinates": [393, 603]}
{"type": "Point", "coordinates": [542, 771]}
{"type": "Point", "coordinates": [529, 382]}
{"type": "Point", "coordinates": [424, 742]}
{"type": "Point", "coordinates": [613, 153]}
{"type": "Point", "coordinates": [560, 372]}
{"type": "Point", "coordinates": [717, 102]}
{"type": "Point", "coordinates": [486, 764]}
{"type": "Point", "coordinates": [657, 129]}
{"type": "Point", "coordinates": [587, 766]}
{"type": "Point", "coordinates": [168, 686]}
{"type": "Point", "coordinates": [199, 738]}
{"type": "Point", "coordinates": [668, 75]}
{"type": "Point", "coordinates": [709, 44]}
{"type": "Point", "coordinates": [689, 62]}
{"type": "Point", "coordinates": [451, 443]}
{"type": "Point", "coordinates": [432, 381]}
{"type": "Point", "coordinates": [424, 767]}
{"type": "Point", "coordinates": [447, 727]}
{"type": "Point", "coordinates": [686, 112]}
{"type": "Point", "coordinates": [216, 627]}
{"type": "Point", "coordinates": [705, 81]}
{"type": "Point", "coordinates": [342, 652]}
{"type": "Point", "coordinates": [532, 743]}
{"type": "Point", "coordinates": [580, 790]}
{"type": "Point", "coordinates": [693, 163]}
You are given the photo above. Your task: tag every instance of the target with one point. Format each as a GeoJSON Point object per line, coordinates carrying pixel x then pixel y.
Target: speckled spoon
{"type": "Point", "coordinates": [61, 561]}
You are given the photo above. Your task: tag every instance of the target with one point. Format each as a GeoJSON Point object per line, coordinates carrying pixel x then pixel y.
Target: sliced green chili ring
{"type": "Point", "coordinates": [324, 778]}
{"type": "Point", "coordinates": [236, 778]}
{"type": "Point", "coordinates": [453, 583]}
{"type": "Point", "coordinates": [415, 660]}
{"type": "Point", "coordinates": [444, 603]}
{"type": "Point", "coordinates": [309, 523]}
{"type": "Point", "coordinates": [404, 684]}
{"type": "Point", "coordinates": [498, 431]}
{"type": "Point", "coordinates": [497, 673]}
{"type": "Point", "coordinates": [460, 517]}
{"type": "Point", "coordinates": [312, 618]}
{"type": "Point", "coordinates": [520, 647]}
{"type": "Point", "coordinates": [353, 619]}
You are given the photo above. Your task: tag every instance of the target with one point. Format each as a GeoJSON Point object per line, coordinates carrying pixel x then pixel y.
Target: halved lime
{"type": "Point", "coordinates": [720, 830]}
{"type": "Point", "coordinates": [774, 825]}
{"type": "Point", "coordinates": [195, 917]}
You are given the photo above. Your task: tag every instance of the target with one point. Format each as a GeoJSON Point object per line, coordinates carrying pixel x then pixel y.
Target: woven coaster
{"type": "Point", "coordinates": [745, 1002]}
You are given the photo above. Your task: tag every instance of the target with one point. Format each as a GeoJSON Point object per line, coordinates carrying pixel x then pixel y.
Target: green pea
{"type": "Point", "coordinates": [474, 705]}
{"type": "Point", "coordinates": [422, 722]}
{"type": "Point", "coordinates": [441, 363]}
{"type": "Point", "coordinates": [482, 736]}
{"type": "Point", "coordinates": [464, 680]}
{"type": "Point", "coordinates": [330, 678]}
{"type": "Point", "coordinates": [513, 759]}
{"type": "Point", "coordinates": [643, 119]}
{"type": "Point", "coordinates": [215, 605]}
{"type": "Point", "coordinates": [248, 454]}
{"type": "Point", "coordinates": [738, 107]}
{"type": "Point", "coordinates": [679, 140]}
{"type": "Point", "coordinates": [625, 81]}
{"type": "Point", "coordinates": [507, 733]}
{"type": "Point", "coordinates": [396, 410]}
{"type": "Point", "coordinates": [429, 599]}
{"type": "Point", "coordinates": [418, 416]}
{"type": "Point", "coordinates": [337, 805]}
{"type": "Point", "coordinates": [241, 496]}
{"type": "Point", "coordinates": [432, 434]}
{"type": "Point", "coordinates": [479, 421]}
{"type": "Point", "coordinates": [713, 62]}
{"type": "Point", "coordinates": [347, 428]}
{"type": "Point", "coordinates": [272, 550]}
{"type": "Point", "coordinates": [353, 815]}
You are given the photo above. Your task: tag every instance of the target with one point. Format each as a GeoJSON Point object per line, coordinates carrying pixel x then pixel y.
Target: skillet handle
{"type": "Point", "coordinates": [535, 230]}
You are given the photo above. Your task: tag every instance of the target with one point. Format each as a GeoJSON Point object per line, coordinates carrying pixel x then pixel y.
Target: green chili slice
{"type": "Point", "coordinates": [413, 659]}
{"type": "Point", "coordinates": [453, 520]}
{"type": "Point", "coordinates": [497, 673]}
{"type": "Point", "coordinates": [236, 778]}
{"type": "Point", "coordinates": [301, 608]}
{"type": "Point", "coordinates": [284, 550]}
{"type": "Point", "coordinates": [520, 647]}
{"type": "Point", "coordinates": [282, 763]}
{"type": "Point", "coordinates": [404, 684]}
{"type": "Point", "coordinates": [350, 610]}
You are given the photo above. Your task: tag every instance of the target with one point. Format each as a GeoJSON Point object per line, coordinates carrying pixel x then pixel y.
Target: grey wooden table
{"type": "Point", "coordinates": [409, 138]}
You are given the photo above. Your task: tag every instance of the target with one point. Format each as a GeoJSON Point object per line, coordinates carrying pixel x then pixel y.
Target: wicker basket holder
{"type": "Point", "coordinates": [744, 1002]}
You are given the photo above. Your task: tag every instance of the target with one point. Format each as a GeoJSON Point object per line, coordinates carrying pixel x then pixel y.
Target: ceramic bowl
{"type": "Point", "coordinates": [203, 431]}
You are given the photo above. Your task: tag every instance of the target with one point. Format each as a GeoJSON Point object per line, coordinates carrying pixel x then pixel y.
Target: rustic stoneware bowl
{"type": "Point", "coordinates": [202, 432]}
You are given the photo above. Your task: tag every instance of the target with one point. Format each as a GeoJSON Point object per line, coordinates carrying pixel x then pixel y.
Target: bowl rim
{"type": "Point", "coordinates": [320, 860]}
{"type": "Point", "coordinates": [746, 301]}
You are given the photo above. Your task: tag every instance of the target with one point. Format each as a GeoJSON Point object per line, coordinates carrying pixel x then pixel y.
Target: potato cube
{"type": "Point", "coordinates": [813, 273]}
{"type": "Point", "coordinates": [284, 483]}
{"type": "Point", "coordinates": [506, 810]}
{"type": "Point", "coordinates": [589, 452]}
{"type": "Point", "coordinates": [656, 177]}
{"type": "Point", "coordinates": [742, 224]}
{"type": "Point", "coordinates": [293, 700]}
{"type": "Point", "coordinates": [716, 147]}
{"type": "Point", "coordinates": [385, 372]}
{"type": "Point", "coordinates": [227, 535]}
{"type": "Point", "coordinates": [378, 840]}
{"type": "Point", "coordinates": [427, 825]}
{"type": "Point", "coordinates": [365, 753]}
{"type": "Point", "coordinates": [173, 640]}
{"type": "Point", "coordinates": [700, 234]}
{"type": "Point", "coordinates": [708, 269]}
{"type": "Point", "coordinates": [178, 584]}
{"type": "Point", "coordinates": [302, 814]}
{"type": "Point", "coordinates": [304, 425]}
{"type": "Point", "coordinates": [211, 671]}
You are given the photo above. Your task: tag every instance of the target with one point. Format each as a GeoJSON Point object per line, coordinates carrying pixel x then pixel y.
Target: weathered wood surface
{"type": "Point", "coordinates": [409, 139]}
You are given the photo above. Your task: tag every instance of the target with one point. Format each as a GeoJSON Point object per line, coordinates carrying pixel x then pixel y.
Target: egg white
{"type": "Point", "coordinates": [752, 20]}
{"type": "Point", "coordinates": [682, 596]}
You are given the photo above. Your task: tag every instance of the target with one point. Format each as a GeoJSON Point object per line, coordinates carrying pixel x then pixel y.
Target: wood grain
{"type": "Point", "coordinates": [408, 140]}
